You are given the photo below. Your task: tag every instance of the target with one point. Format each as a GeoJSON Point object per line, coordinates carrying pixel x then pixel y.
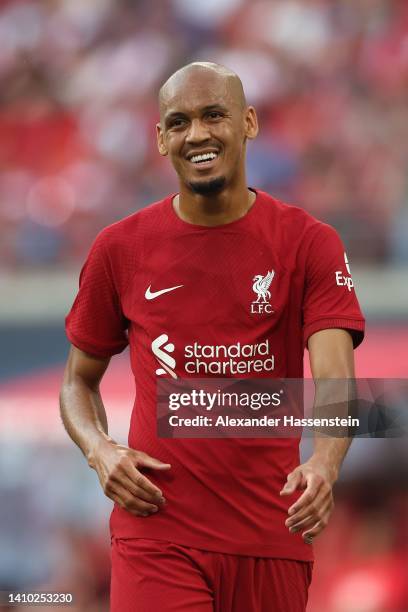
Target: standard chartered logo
{"type": "Point", "coordinates": [161, 348]}
{"type": "Point", "coordinates": [228, 359]}
{"type": "Point", "coordinates": [218, 359]}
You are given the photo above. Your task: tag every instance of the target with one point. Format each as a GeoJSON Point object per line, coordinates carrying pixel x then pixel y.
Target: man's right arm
{"type": "Point", "coordinates": [84, 418]}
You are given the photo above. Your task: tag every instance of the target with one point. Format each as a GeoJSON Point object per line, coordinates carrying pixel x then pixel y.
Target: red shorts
{"type": "Point", "coordinates": [157, 576]}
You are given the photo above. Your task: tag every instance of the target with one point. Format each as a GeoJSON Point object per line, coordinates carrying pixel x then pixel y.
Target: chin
{"type": "Point", "coordinates": [209, 186]}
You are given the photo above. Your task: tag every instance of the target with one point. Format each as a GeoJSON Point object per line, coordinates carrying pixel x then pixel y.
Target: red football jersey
{"type": "Point", "coordinates": [181, 295]}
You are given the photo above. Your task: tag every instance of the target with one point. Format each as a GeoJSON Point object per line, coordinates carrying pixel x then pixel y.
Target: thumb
{"type": "Point", "coordinates": [293, 481]}
{"type": "Point", "coordinates": [145, 460]}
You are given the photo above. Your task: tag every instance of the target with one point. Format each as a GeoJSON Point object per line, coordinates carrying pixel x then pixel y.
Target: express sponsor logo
{"type": "Point", "coordinates": [343, 280]}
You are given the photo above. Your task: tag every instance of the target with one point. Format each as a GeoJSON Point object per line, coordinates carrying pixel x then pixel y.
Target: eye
{"type": "Point", "coordinates": [214, 115]}
{"type": "Point", "coordinates": [177, 122]}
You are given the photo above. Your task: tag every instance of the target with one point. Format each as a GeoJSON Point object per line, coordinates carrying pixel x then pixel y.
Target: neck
{"type": "Point", "coordinates": [229, 205]}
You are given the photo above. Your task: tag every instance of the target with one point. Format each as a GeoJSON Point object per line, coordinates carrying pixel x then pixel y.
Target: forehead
{"type": "Point", "coordinates": [192, 92]}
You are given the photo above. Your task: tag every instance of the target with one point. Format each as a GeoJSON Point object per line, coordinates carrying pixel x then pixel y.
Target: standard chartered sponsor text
{"type": "Point", "coordinates": [228, 359]}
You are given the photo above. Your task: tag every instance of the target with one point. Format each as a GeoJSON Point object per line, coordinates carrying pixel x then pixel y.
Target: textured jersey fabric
{"type": "Point", "coordinates": [222, 494]}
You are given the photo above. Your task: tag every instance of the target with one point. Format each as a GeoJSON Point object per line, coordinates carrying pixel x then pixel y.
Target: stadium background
{"type": "Point", "coordinates": [78, 84]}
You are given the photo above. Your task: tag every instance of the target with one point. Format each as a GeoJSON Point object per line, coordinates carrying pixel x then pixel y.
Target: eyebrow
{"type": "Point", "coordinates": [205, 109]}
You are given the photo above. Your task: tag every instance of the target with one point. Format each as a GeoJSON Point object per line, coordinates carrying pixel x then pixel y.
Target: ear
{"type": "Point", "coordinates": [251, 123]}
{"type": "Point", "coordinates": [160, 140]}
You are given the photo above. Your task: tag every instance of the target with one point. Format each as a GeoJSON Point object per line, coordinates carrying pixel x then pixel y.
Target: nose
{"type": "Point", "coordinates": [198, 132]}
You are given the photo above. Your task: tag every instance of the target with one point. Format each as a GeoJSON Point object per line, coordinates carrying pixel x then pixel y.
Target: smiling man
{"type": "Point", "coordinates": [210, 280]}
{"type": "Point", "coordinates": [220, 165]}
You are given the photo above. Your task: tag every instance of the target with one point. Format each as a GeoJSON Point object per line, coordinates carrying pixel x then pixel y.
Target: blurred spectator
{"type": "Point", "coordinates": [368, 572]}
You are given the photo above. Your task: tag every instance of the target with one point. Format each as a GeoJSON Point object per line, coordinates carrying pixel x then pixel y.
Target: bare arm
{"type": "Point", "coordinates": [84, 418]}
{"type": "Point", "coordinates": [82, 409]}
{"type": "Point", "coordinates": [331, 357]}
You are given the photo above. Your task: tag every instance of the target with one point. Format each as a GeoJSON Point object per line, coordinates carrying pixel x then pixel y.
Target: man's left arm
{"type": "Point", "coordinates": [331, 357]}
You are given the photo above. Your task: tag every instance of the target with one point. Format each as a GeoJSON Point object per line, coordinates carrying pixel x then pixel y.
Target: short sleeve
{"type": "Point", "coordinates": [329, 299]}
{"type": "Point", "coordinates": [96, 324]}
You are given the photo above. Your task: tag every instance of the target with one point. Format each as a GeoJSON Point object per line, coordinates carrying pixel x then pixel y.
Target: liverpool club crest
{"type": "Point", "coordinates": [261, 286]}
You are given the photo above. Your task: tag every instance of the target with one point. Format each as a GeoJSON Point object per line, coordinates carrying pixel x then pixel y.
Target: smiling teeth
{"type": "Point", "coordinates": [205, 157]}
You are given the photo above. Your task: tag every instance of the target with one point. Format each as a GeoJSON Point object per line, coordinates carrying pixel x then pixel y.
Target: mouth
{"type": "Point", "coordinates": [203, 161]}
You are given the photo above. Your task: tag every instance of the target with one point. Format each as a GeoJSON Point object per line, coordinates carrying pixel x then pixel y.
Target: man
{"type": "Point", "coordinates": [205, 524]}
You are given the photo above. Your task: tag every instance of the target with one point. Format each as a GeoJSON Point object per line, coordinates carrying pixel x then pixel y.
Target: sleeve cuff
{"type": "Point", "coordinates": [356, 328]}
{"type": "Point", "coordinates": [92, 349]}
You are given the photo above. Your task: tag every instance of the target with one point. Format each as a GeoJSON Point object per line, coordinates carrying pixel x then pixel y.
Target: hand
{"type": "Point", "coordinates": [311, 512]}
{"type": "Point", "coordinates": [117, 467]}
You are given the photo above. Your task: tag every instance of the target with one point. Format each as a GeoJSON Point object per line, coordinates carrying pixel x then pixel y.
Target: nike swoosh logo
{"type": "Point", "coordinates": [150, 295]}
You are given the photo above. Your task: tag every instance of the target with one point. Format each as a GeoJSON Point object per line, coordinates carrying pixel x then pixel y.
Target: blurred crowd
{"type": "Point", "coordinates": [78, 89]}
{"type": "Point", "coordinates": [361, 558]}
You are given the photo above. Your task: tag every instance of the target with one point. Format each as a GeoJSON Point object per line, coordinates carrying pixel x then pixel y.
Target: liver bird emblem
{"type": "Point", "coordinates": [261, 286]}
